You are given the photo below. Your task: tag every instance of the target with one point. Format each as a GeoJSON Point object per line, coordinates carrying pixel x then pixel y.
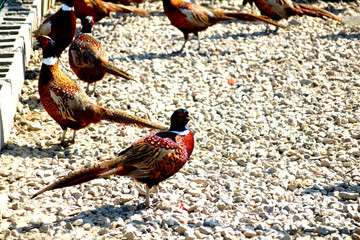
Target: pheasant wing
{"type": "Point", "coordinates": [69, 98]}
{"type": "Point", "coordinates": [144, 154]}
{"type": "Point", "coordinates": [196, 15]}
{"type": "Point", "coordinates": [280, 7]}
{"type": "Point", "coordinates": [89, 55]}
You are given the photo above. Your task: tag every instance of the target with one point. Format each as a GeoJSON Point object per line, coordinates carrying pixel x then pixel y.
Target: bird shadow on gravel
{"type": "Point", "coordinates": [15, 150]}
{"type": "Point", "coordinates": [157, 13]}
{"type": "Point", "coordinates": [347, 190]}
{"type": "Point", "coordinates": [101, 217]}
{"type": "Point", "coordinates": [149, 56]}
{"type": "Point", "coordinates": [96, 216]}
{"type": "Point", "coordinates": [111, 217]}
{"type": "Point", "coordinates": [235, 36]}
{"type": "Point", "coordinates": [340, 35]}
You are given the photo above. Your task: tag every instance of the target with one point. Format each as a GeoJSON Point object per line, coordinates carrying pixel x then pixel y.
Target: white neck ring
{"type": "Point", "coordinates": [66, 8]}
{"type": "Point", "coordinates": [182, 133]}
{"type": "Point", "coordinates": [50, 61]}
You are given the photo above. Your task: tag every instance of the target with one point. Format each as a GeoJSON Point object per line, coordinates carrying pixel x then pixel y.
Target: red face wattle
{"type": "Point", "coordinates": [44, 42]}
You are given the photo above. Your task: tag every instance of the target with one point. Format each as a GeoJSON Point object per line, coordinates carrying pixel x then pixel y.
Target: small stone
{"type": "Point", "coordinates": [87, 226]}
{"type": "Point", "coordinates": [205, 230]}
{"type": "Point", "coordinates": [181, 229]}
{"type": "Point", "coordinates": [171, 222]}
{"type": "Point", "coordinates": [16, 206]}
{"type": "Point", "coordinates": [286, 237]}
{"type": "Point", "coordinates": [69, 226]}
{"type": "Point", "coordinates": [3, 204]}
{"type": "Point", "coordinates": [77, 194]}
{"type": "Point", "coordinates": [272, 170]}
{"type": "Point", "coordinates": [325, 163]}
{"type": "Point", "coordinates": [306, 82]}
{"type": "Point", "coordinates": [34, 126]}
{"type": "Point", "coordinates": [190, 237]}
{"type": "Point", "coordinates": [78, 222]}
{"type": "Point", "coordinates": [164, 205]}
{"type": "Point", "coordinates": [355, 236]}
{"type": "Point", "coordinates": [44, 228]}
{"type": "Point", "coordinates": [130, 231]}
{"type": "Point", "coordinates": [126, 197]}
{"type": "Point", "coordinates": [221, 206]}
{"type": "Point", "coordinates": [103, 231]}
{"type": "Point", "coordinates": [198, 234]}
{"type": "Point", "coordinates": [14, 233]}
{"type": "Point", "coordinates": [349, 195]}
{"type": "Point", "coordinates": [211, 223]}
{"type": "Point", "coordinates": [249, 233]}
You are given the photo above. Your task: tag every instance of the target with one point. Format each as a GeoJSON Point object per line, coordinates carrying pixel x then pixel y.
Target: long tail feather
{"type": "Point", "coordinates": [110, 68]}
{"type": "Point", "coordinates": [316, 12]}
{"type": "Point", "coordinates": [125, 9]}
{"type": "Point", "coordinates": [95, 171]}
{"type": "Point", "coordinates": [123, 117]}
{"type": "Point", "coordinates": [252, 18]}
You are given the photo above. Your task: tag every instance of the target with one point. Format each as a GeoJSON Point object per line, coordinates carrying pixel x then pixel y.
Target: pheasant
{"type": "Point", "coordinates": [88, 59]}
{"type": "Point", "coordinates": [150, 160]}
{"type": "Point", "coordinates": [283, 9]}
{"type": "Point", "coordinates": [67, 103]}
{"type": "Point", "coordinates": [191, 18]}
{"type": "Point", "coordinates": [99, 9]}
{"type": "Point", "coordinates": [60, 27]}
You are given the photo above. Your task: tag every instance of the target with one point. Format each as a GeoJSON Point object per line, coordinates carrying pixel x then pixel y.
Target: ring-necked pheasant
{"type": "Point", "coordinates": [60, 27]}
{"type": "Point", "coordinates": [283, 9]}
{"type": "Point", "coordinates": [150, 160]}
{"type": "Point", "coordinates": [192, 18]}
{"type": "Point", "coordinates": [88, 59]}
{"type": "Point", "coordinates": [67, 103]}
{"type": "Point", "coordinates": [99, 9]}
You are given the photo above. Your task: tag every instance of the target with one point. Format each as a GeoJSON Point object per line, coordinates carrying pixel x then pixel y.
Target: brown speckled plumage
{"type": "Point", "coordinates": [150, 160]}
{"type": "Point", "coordinates": [68, 104]}
{"type": "Point", "coordinates": [283, 9]}
{"type": "Point", "coordinates": [99, 9]}
{"type": "Point", "coordinates": [88, 59]}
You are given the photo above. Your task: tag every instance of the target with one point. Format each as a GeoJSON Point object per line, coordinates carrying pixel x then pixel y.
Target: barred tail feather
{"type": "Point", "coordinates": [317, 12]}
{"type": "Point", "coordinates": [110, 68]}
{"type": "Point", "coordinates": [123, 117]}
{"type": "Point", "coordinates": [126, 9]}
{"type": "Point", "coordinates": [252, 18]}
{"type": "Point", "coordinates": [95, 171]}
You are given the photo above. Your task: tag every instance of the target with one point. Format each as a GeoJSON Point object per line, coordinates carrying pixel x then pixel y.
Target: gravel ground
{"type": "Point", "coordinates": [277, 128]}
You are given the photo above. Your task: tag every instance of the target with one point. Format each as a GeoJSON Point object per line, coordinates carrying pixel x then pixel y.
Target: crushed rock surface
{"type": "Point", "coordinates": [277, 128]}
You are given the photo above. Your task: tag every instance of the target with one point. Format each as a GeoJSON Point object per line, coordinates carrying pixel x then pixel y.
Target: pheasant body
{"type": "Point", "coordinates": [61, 98]}
{"type": "Point", "coordinates": [67, 103]}
{"type": "Point", "coordinates": [193, 18]}
{"type": "Point", "coordinates": [150, 160]}
{"type": "Point", "coordinates": [88, 59]}
{"type": "Point", "coordinates": [60, 27]}
{"type": "Point", "coordinates": [176, 150]}
{"type": "Point", "coordinates": [284, 9]}
{"type": "Point", "coordinates": [81, 63]}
